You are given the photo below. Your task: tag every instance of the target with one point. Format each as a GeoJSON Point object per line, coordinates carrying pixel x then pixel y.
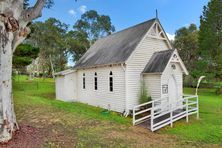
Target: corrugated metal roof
{"type": "Point", "coordinates": [158, 61]}
{"type": "Point", "coordinates": [115, 48]}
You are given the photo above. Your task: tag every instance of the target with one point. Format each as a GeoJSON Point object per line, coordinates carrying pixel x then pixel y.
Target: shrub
{"type": "Point", "coordinates": [144, 97]}
{"type": "Point", "coordinates": [219, 91]}
{"type": "Point", "coordinates": [190, 81]}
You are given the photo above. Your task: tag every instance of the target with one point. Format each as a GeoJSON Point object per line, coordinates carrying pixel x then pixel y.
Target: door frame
{"type": "Point", "coordinates": [172, 77]}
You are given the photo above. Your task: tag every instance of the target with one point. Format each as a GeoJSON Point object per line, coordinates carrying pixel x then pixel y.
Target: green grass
{"type": "Point", "coordinates": [85, 125]}
{"type": "Point", "coordinates": [208, 128]}
{"type": "Point", "coordinates": [42, 92]}
{"type": "Point", "coordinates": [76, 124]}
{"type": "Point", "coordinates": [25, 78]}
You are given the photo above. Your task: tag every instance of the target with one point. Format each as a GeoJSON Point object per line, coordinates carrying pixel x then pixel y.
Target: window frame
{"type": "Point", "coordinates": [95, 81]}
{"type": "Point", "coordinates": [84, 81]}
{"type": "Point", "coordinates": [111, 85]}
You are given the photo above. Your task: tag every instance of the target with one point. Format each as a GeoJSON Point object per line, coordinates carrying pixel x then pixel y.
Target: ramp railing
{"type": "Point", "coordinates": [162, 112]}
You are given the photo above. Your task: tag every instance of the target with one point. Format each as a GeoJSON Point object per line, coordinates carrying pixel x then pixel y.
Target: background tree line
{"type": "Point", "coordinates": [201, 49]}
{"type": "Point", "coordinates": [55, 43]}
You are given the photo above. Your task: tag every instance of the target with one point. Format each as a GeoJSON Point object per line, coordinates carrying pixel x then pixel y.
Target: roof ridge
{"type": "Point", "coordinates": [128, 28]}
{"type": "Point", "coordinates": [115, 48]}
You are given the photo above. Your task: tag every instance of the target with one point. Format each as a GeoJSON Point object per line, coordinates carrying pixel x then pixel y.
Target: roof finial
{"type": "Point", "coordinates": [156, 14]}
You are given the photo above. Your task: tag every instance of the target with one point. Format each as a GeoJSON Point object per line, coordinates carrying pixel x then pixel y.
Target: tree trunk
{"type": "Point", "coordinates": [52, 68]}
{"type": "Point", "coordinates": [14, 19]}
{"type": "Point", "coordinates": [8, 122]}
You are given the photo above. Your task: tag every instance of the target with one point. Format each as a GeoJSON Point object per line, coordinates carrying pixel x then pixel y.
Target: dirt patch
{"type": "Point", "coordinates": [142, 137]}
{"type": "Point", "coordinates": [26, 137]}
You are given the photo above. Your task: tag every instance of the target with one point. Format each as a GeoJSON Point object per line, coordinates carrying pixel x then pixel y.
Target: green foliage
{"type": "Point", "coordinates": [218, 87]}
{"type": "Point", "coordinates": [186, 41]}
{"type": "Point", "coordinates": [24, 54]}
{"type": "Point", "coordinates": [50, 37]}
{"type": "Point", "coordinates": [201, 50]}
{"type": "Point", "coordinates": [219, 91]}
{"type": "Point", "coordinates": [86, 31]}
{"type": "Point", "coordinates": [54, 39]}
{"type": "Point", "coordinates": [77, 43]}
{"type": "Point", "coordinates": [210, 37]}
{"type": "Point", "coordinates": [94, 25]}
{"type": "Point", "coordinates": [143, 96]}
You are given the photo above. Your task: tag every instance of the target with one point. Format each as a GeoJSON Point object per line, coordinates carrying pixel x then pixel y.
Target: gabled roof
{"type": "Point", "coordinates": [158, 61]}
{"type": "Point", "coordinates": [115, 48]}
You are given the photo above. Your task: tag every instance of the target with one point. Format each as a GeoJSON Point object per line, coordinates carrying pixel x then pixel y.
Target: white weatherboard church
{"type": "Point", "coordinates": [110, 73]}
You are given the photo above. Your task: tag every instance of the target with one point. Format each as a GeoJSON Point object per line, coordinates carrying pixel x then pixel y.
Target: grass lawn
{"type": "Point", "coordinates": [209, 128]}
{"type": "Point", "coordinates": [61, 124]}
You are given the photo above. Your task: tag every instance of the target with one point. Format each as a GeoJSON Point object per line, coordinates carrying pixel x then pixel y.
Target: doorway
{"type": "Point", "coordinates": [173, 90]}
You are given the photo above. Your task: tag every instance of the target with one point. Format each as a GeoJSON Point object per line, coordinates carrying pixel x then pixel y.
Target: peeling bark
{"type": "Point", "coordinates": [8, 119]}
{"type": "Point", "coordinates": [13, 30]}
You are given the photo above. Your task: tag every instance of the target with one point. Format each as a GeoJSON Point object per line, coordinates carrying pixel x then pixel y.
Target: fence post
{"type": "Point", "coordinates": [187, 117]}
{"type": "Point", "coordinates": [197, 107]}
{"type": "Point", "coordinates": [171, 115]}
{"type": "Point", "coordinates": [152, 116]}
{"type": "Point", "coordinates": [133, 116]}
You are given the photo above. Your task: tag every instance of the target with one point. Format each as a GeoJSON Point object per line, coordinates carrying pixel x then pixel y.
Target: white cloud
{"type": "Point", "coordinates": [171, 36]}
{"type": "Point", "coordinates": [72, 12]}
{"type": "Point", "coordinates": [82, 9]}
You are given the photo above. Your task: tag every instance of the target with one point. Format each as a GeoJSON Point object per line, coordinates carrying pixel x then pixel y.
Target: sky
{"type": "Point", "coordinates": [173, 14]}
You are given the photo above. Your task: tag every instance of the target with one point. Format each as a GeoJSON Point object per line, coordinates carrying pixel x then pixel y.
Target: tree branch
{"type": "Point", "coordinates": [27, 16]}
{"type": "Point", "coordinates": [13, 9]}
{"type": "Point", "coordinates": [17, 8]}
{"type": "Point", "coordinates": [33, 12]}
{"type": "Point", "coordinates": [19, 37]}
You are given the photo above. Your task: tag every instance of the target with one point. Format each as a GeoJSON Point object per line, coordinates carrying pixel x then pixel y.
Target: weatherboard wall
{"type": "Point", "coordinates": [103, 97]}
{"type": "Point", "coordinates": [70, 86]}
{"type": "Point", "coordinates": [152, 84]}
{"type": "Point", "coordinates": [59, 87]}
{"type": "Point", "coordinates": [136, 64]}
{"type": "Point", "coordinates": [66, 87]}
{"type": "Point", "coordinates": [177, 73]}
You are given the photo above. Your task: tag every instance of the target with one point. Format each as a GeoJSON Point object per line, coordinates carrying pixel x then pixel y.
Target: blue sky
{"type": "Point", "coordinates": [173, 14]}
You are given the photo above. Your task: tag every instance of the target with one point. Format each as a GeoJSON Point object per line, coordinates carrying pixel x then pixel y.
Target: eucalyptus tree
{"type": "Point", "coordinates": [186, 41]}
{"type": "Point", "coordinates": [77, 44]}
{"type": "Point", "coordinates": [15, 15]}
{"type": "Point", "coordinates": [94, 25]}
{"type": "Point", "coordinates": [50, 37]}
